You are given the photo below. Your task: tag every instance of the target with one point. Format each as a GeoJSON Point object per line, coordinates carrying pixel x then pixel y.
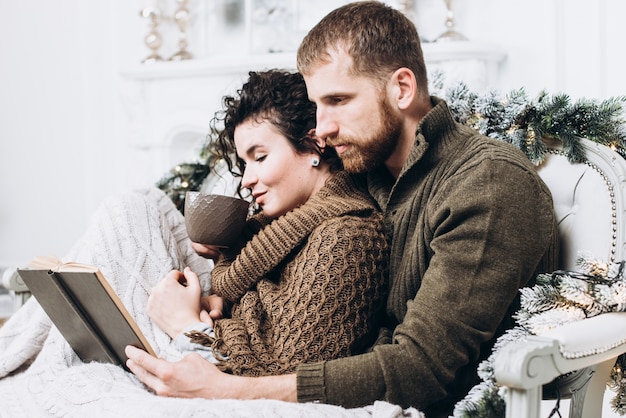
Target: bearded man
{"type": "Point", "coordinates": [469, 220]}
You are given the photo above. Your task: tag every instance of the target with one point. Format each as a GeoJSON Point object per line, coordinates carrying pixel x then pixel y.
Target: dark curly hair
{"type": "Point", "coordinates": [279, 97]}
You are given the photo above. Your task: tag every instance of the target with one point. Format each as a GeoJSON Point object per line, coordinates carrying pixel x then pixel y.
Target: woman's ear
{"type": "Point", "coordinates": [404, 87]}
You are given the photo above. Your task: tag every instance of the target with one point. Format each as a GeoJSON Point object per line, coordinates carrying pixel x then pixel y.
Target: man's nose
{"type": "Point", "coordinates": [325, 126]}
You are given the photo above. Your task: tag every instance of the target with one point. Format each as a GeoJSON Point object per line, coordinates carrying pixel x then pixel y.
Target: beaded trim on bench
{"type": "Point", "coordinates": [611, 191]}
{"type": "Point", "coordinates": [597, 350]}
{"type": "Point", "coordinates": [610, 188]}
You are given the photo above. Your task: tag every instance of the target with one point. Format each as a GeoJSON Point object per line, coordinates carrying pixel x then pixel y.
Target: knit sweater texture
{"type": "Point", "coordinates": [469, 223]}
{"type": "Point", "coordinates": [306, 287]}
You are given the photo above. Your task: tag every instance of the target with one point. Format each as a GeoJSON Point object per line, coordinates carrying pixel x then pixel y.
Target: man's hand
{"type": "Point", "coordinates": [195, 377]}
{"type": "Point", "coordinates": [191, 377]}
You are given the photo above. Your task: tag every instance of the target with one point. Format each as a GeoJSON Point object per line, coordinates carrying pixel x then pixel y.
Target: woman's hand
{"type": "Point", "coordinates": [213, 307]}
{"type": "Point", "coordinates": [206, 251]}
{"type": "Point", "coordinates": [174, 303]}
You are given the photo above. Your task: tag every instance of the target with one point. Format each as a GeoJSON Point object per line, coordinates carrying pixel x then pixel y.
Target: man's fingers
{"type": "Point", "coordinates": [136, 358]}
{"type": "Point", "coordinates": [140, 362]}
{"type": "Point", "coordinates": [146, 368]}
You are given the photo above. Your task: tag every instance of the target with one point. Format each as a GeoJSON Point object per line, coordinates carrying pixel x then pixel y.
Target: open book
{"type": "Point", "coordinates": [85, 308]}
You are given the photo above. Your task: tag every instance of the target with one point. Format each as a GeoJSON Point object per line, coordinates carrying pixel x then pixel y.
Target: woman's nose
{"type": "Point", "coordinates": [248, 179]}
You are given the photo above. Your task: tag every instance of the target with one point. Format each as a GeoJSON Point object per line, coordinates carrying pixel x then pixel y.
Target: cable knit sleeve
{"type": "Point", "coordinates": [235, 274]}
{"type": "Point", "coordinates": [223, 273]}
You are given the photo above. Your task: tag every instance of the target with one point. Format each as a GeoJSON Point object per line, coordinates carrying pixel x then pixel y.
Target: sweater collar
{"type": "Point", "coordinates": [340, 196]}
{"type": "Point", "coordinates": [431, 133]}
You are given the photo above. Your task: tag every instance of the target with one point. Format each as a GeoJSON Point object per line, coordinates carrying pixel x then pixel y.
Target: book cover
{"type": "Point", "coordinates": [84, 307]}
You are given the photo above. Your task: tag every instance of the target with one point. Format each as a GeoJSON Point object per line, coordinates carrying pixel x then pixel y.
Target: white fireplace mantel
{"type": "Point", "coordinates": [170, 104]}
{"type": "Point", "coordinates": [435, 53]}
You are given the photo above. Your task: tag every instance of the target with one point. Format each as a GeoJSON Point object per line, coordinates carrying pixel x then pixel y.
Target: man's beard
{"type": "Point", "coordinates": [367, 153]}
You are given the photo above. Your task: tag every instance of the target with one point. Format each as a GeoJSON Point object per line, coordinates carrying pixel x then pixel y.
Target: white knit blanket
{"type": "Point", "coordinates": [135, 239]}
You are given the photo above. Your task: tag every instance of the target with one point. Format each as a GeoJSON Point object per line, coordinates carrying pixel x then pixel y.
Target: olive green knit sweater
{"type": "Point", "coordinates": [307, 286]}
{"type": "Point", "coordinates": [471, 222]}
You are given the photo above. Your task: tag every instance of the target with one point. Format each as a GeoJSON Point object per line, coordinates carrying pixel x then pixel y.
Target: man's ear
{"type": "Point", "coordinates": [404, 87]}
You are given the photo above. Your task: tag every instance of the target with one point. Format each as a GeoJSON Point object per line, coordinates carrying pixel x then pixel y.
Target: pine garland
{"type": "Point", "coordinates": [526, 123]}
{"type": "Point", "coordinates": [188, 176]}
{"type": "Point", "coordinates": [556, 299]}
{"type": "Point", "coordinates": [182, 178]}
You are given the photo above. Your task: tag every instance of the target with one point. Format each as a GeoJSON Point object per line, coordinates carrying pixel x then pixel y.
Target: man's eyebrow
{"type": "Point", "coordinates": [334, 94]}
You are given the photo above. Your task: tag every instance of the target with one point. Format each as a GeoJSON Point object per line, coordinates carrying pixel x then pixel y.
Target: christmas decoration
{"type": "Point", "coordinates": [526, 123]}
{"type": "Point", "coordinates": [556, 299]}
{"type": "Point", "coordinates": [189, 176]}
{"type": "Point", "coordinates": [181, 179]}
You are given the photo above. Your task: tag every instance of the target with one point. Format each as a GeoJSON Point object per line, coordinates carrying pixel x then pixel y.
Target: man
{"type": "Point", "coordinates": [469, 220]}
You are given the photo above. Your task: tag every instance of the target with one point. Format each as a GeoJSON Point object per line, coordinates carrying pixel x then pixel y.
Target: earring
{"type": "Point", "coordinates": [315, 162]}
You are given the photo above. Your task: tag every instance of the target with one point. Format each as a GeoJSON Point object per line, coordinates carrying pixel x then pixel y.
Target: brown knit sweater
{"type": "Point", "coordinates": [308, 286]}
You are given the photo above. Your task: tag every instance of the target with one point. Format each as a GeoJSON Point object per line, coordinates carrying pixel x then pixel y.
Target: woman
{"type": "Point", "coordinates": [308, 280]}
{"type": "Point", "coordinates": [307, 284]}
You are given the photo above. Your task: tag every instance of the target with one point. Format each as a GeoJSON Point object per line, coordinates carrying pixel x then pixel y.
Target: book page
{"type": "Point", "coordinates": [55, 264]}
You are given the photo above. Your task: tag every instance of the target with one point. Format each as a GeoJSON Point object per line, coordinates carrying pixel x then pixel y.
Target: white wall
{"type": "Point", "coordinates": [63, 120]}
{"type": "Point", "coordinates": [570, 46]}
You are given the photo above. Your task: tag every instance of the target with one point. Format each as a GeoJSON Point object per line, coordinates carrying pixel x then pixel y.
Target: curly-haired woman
{"type": "Point", "coordinates": [308, 281]}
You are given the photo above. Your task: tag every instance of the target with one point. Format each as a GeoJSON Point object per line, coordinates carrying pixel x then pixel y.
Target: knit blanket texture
{"type": "Point", "coordinates": [135, 239]}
